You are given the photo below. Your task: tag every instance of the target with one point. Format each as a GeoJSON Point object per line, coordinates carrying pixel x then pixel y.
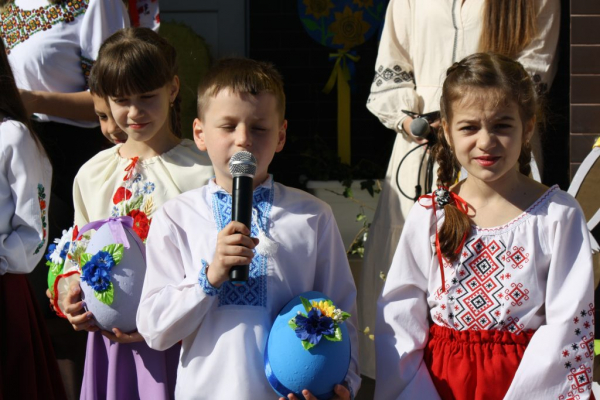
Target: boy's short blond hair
{"type": "Point", "coordinates": [241, 75]}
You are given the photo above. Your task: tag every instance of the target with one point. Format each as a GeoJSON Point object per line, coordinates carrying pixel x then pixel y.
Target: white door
{"type": "Point", "coordinates": [222, 23]}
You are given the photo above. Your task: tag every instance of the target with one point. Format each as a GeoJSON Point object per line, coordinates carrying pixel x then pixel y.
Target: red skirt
{"type": "Point", "coordinates": [28, 368]}
{"type": "Point", "coordinates": [473, 365]}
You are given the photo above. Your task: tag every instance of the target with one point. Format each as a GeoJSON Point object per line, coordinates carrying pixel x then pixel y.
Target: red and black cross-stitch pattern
{"type": "Point", "coordinates": [17, 25]}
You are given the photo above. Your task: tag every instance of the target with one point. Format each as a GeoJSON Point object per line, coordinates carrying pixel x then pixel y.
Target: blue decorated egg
{"type": "Point", "coordinates": [290, 368]}
{"type": "Point", "coordinates": [112, 277]}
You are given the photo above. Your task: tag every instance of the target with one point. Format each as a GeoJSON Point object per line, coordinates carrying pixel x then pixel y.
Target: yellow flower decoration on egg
{"type": "Point", "coordinates": [327, 309]}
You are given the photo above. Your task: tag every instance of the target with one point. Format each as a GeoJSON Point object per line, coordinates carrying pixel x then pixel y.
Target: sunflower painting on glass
{"type": "Point", "coordinates": [342, 25]}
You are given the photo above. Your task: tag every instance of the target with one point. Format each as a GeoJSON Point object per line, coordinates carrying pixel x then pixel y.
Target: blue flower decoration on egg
{"type": "Point", "coordinates": [96, 272]}
{"type": "Point", "coordinates": [314, 326]}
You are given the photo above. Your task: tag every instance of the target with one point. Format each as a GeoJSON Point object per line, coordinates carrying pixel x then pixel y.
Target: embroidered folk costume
{"type": "Point", "coordinates": [513, 318]}
{"type": "Point", "coordinates": [28, 367]}
{"type": "Point", "coordinates": [420, 40]}
{"type": "Point", "coordinates": [224, 331]}
{"type": "Point", "coordinates": [109, 185]}
{"type": "Point", "coordinates": [51, 48]}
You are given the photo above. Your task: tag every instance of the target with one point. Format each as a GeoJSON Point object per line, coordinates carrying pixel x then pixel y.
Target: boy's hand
{"type": "Point", "coordinates": [341, 393]}
{"type": "Point", "coordinates": [73, 309]}
{"type": "Point", "coordinates": [117, 336]}
{"type": "Point", "coordinates": [234, 247]}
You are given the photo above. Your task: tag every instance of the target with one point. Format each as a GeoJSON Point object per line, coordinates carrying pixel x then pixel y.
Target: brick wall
{"type": "Point", "coordinates": [585, 78]}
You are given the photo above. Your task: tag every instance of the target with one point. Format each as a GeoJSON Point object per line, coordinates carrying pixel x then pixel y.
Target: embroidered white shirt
{"type": "Point", "coordinates": [224, 332]}
{"type": "Point", "coordinates": [52, 47]}
{"type": "Point", "coordinates": [25, 177]}
{"type": "Point", "coordinates": [534, 273]}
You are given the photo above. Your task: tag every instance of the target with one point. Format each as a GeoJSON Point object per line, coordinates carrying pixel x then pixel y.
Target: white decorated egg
{"type": "Point", "coordinates": [112, 277]}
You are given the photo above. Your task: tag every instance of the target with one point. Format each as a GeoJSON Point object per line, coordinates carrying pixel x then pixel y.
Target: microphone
{"type": "Point", "coordinates": [420, 127]}
{"type": "Point", "coordinates": [242, 166]}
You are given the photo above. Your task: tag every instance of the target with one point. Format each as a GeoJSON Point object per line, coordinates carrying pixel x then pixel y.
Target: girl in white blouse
{"type": "Point", "coordinates": [489, 295]}
{"type": "Point", "coordinates": [420, 40]}
{"type": "Point", "coordinates": [136, 72]}
{"type": "Point", "coordinates": [28, 367]}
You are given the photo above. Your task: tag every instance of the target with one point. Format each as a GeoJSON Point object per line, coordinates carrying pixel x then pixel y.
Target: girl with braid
{"type": "Point", "coordinates": [489, 295]}
{"type": "Point", "coordinates": [136, 73]}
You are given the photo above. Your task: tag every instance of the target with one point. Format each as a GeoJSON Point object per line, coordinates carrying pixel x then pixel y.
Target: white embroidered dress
{"type": "Point", "coordinates": [534, 273]}
{"type": "Point", "coordinates": [224, 331]}
{"type": "Point", "coordinates": [420, 40]}
{"type": "Point", "coordinates": [25, 176]}
{"type": "Point", "coordinates": [52, 47]}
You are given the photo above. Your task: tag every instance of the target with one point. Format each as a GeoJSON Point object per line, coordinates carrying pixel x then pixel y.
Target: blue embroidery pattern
{"type": "Point", "coordinates": [205, 284]}
{"type": "Point", "coordinates": [254, 292]}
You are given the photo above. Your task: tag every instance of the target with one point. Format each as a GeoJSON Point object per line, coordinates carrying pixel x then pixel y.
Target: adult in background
{"type": "Point", "coordinates": [420, 40]}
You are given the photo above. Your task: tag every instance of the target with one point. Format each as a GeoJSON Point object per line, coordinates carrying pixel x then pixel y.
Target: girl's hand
{"type": "Point", "coordinates": [341, 393]}
{"type": "Point", "coordinates": [76, 314]}
{"type": "Point", "coordinates": [234, 247]}
{"type": "Point", "coordinates": [117, 336]}
{"type": "Point", "coordinates": [49, 296]}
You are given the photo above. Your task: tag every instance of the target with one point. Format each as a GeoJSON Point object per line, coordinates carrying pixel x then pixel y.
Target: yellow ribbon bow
{"type": "Point", "coordinates": [341, 75]}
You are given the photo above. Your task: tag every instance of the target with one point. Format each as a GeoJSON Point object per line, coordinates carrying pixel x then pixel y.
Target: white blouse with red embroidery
{"type": "Point", "coordinates": [534, 273]}
{"type": "Point", "coordinates": [109, 185]}
{"type": "Point", "coordinates": [25, 177]}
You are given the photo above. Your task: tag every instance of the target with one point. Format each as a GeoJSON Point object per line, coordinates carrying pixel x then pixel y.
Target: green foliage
{"type": "Point", "coordinates": [337, 335]}
{"type": "Point", "coordinates": [133, 205]}
{"type": "Point", "coordinates": [116, 251]}
{"type": "Point", "coordinates": [108, 296]}
{"type": "Point", "coordinates": [306, 304]}
{"type": "Point", "coordinates": [321, 163]}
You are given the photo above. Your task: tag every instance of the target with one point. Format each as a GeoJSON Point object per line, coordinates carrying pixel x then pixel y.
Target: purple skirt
{"type": "Point", "coordinates": [115, 371]}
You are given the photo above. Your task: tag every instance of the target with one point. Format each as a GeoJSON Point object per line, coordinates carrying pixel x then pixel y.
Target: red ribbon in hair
{"type": "Point", "coordinates": [439, 198]}
{"type": "Point", "coordinates": [129, 169]}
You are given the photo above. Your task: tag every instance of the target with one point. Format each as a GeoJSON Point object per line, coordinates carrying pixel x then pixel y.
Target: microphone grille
{"type": "Point", "coordinates": [419, 127]}
{"type": "Point", "coordinates": [242, 163]}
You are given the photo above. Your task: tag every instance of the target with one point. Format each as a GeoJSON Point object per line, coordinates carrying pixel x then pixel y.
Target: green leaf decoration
{"type": "Point", "coordinates": [306, 304]}
{"type": "Point", "coordinates": [108, 296]}
{"type": "Point", "coordinates": [337, 335]}
{"type": "Point", "coordinates": [292, 323]}
{"type": "Point", "coordinates": [116, 251]}
{"type": "Point", "coordinates": [53, 272]}
{"type": "Point", "coordinates": [345, 315]}
{"type": "Point", "coordinates": [85, 258]}
{"type": "Point", "coordinates": [307, 345]}
{"type": "Point", "coordinates": [134, 205]}
{"type": "Point", "coordinates": [310, 24]}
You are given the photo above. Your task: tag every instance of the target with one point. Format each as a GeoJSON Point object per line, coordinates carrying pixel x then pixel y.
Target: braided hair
{"type": "Point", "coordinates": [502, 79]}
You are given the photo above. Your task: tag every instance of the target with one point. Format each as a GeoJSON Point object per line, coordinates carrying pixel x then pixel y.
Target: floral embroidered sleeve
{"type": "Point", "coordinates": [26, 180]}
{"type": "Point", "coordinates": [393, 87]}
{"type": "Point", "coordinates": [557, 363]}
